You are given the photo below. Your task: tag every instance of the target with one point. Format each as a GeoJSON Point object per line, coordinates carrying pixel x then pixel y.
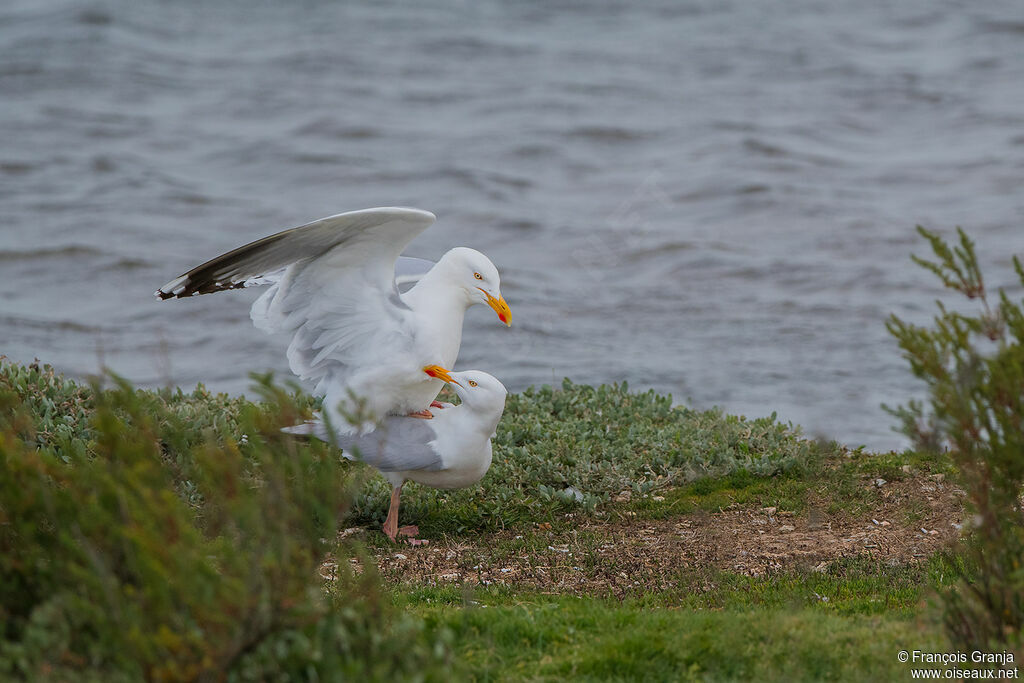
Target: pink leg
{"type": "Point", "coordinates": [391, 523]}
{"type": "Point", "coordinates": [437, 404]}
{"type": "Point", "coordinates": [422, 414]}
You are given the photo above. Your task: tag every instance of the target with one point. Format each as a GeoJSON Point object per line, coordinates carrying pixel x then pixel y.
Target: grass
{"type": "Point", "coordinates": [846, 624]}
{"type": "Point", "coordinates": [533, 637]}
{"type": "Point", "coordinates": [853, 587]}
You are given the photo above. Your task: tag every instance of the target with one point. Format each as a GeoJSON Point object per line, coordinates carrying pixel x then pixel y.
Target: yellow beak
{"type": "Point", "coordinates": [437, 372]}
{"type": "Point", "coordinates": [499, 306]}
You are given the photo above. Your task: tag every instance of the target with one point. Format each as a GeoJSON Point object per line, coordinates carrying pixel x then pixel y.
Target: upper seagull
{"type": "Point", "coordinates": [334, 288]}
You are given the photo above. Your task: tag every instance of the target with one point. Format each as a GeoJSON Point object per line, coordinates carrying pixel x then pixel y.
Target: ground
{"type": "Point", "coordinates": [820, 576]}
{"type": "Point", "coordinates": [903, 521]}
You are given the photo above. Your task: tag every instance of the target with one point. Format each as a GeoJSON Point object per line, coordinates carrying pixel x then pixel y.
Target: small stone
{"type": "Point", "coordinates": [400, 556]}
{"type": "Point", "coordinates": [658, 499]}
{"type": "Point", "coordinates": [786, 528]}
{"type": "Point", "coordinates": [906, 469]}
{"type": "Point", "coordinates": [769, 511]}
{"type": "Point", "coordinates": [885, 523]}
{"type": "Point", "coordinates": [880, 482]}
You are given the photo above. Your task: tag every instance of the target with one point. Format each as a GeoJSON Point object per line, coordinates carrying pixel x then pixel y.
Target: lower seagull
{"type": "Point", "coordinates": [450, 451]}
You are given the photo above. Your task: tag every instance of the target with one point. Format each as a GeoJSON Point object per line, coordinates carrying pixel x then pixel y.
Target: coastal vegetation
{"type": "Point", "coordinates": [170, 535]}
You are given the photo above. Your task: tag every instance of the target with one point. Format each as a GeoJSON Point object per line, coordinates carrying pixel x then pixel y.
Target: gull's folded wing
{"type": "Point", "coordinates": [399, 444]}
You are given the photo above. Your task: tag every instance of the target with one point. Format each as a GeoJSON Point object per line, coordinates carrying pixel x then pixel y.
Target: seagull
{"type": "Point", "coordinates": [334, 283]}
{"type": "Point", "coordinates": [451, 451]}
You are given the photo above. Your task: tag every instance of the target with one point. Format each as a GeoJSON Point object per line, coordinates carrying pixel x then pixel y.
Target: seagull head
{"type": "Point", "coordinates": [479, 391]}
{"type": "Point", "coordinates": [477, 277]}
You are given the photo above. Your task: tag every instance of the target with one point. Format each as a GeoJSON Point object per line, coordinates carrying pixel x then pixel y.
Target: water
{"type": "Point", "coordinates": [714, 199]}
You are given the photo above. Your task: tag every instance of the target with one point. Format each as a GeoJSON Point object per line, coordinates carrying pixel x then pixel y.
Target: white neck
{"type": "Point", "coordinates": [470, 428]}
{"type": "Point", "coordinates": [440, 308]}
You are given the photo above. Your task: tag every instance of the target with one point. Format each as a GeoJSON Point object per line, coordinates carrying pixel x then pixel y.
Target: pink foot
{"type": "Point", "coordinates": [422, 414]}
{"type": "Point", "coordinates": [437, 404]}
{"type": "Point", "coordinates": [410, 532]}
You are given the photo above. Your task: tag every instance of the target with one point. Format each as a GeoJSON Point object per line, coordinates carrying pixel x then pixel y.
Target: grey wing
{"type": "Point", "coordinates": [391, 226]}
{"type": "Point", "coordinates": [397, 445]}
{"type": "Point", "coordinates": [409, 269]}
{"type": "Point", "coordinates": [314, 428]}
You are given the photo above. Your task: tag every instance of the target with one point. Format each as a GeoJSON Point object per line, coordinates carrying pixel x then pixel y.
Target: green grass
{"type": "Point", "coordinates": [845, 624]}
{"type": "Point", "coordinates": [849, 587]}
{"type": "Point", "coordinates": [536, 637]}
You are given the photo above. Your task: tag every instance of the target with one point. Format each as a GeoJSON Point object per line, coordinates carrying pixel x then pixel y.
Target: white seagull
{"type": "Point", "coordinates": [451, 451]}
{"type": "Point", "coordinates": [334, 288]}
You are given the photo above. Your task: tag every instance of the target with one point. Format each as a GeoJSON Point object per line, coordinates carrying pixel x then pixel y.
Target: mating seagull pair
{"type": "Point", "coordinates": [373, 351]}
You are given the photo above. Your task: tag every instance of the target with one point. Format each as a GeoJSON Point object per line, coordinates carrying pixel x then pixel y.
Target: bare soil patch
{"type": "Point", "coordinates": [908, 521]}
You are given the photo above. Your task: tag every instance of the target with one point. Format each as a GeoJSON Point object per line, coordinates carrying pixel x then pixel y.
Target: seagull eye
{"type": "Point", "coordinates": [478, 276]}
{"type": "Point", "coordinates": [472, 383]}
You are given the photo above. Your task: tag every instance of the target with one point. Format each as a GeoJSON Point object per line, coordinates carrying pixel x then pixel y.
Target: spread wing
{"type": "Point", "coordinates": [392, 228]}
{"type": "Point", "coordinates": [333, 288]}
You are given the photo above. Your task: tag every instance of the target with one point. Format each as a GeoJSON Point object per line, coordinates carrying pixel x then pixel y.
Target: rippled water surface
{"type": "Point", "coordinates": [714, 199]}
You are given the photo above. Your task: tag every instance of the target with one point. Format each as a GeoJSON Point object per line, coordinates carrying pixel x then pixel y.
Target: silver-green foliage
{"type": "Point", "coordinates": [570, 449]}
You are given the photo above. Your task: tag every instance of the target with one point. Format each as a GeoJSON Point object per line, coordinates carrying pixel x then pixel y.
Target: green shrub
{"type": "Point", "coordinates": [169, 537]}
{"type": "Point", "coordinates": [973, 365]}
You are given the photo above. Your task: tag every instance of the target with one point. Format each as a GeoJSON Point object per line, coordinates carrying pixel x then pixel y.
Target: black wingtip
{"type": "Point", "coordinates": [181, 288]}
